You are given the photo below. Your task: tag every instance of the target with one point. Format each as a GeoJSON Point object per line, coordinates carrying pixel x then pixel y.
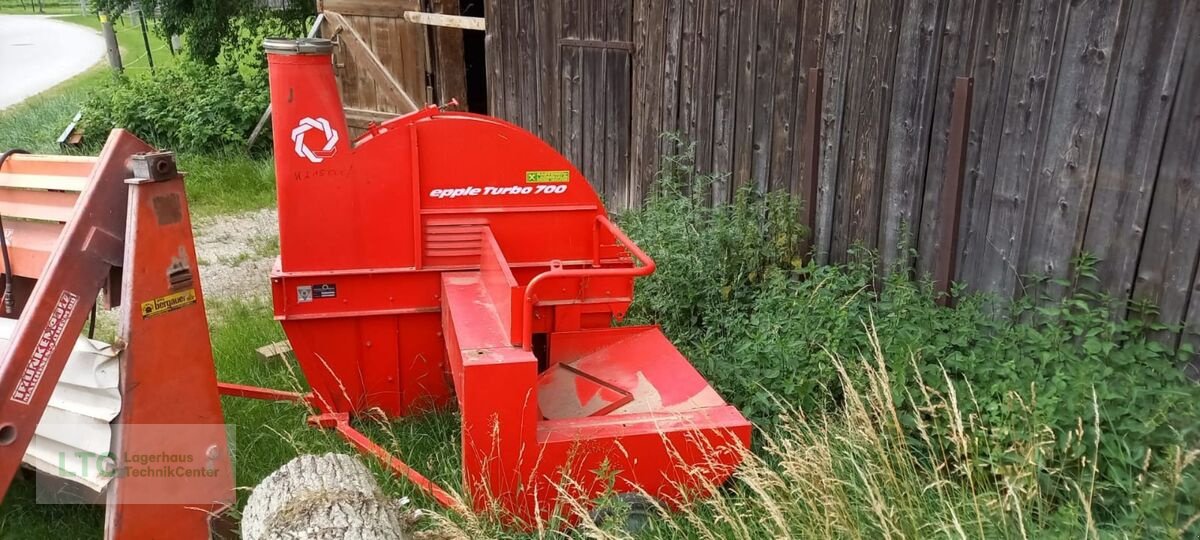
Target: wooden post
{"type": "Point", "coordinates": [811, 143]}
{"type": "Point", "coordinates": [950, 204]}
{"type": "Point", "coordinates": [110, 43]}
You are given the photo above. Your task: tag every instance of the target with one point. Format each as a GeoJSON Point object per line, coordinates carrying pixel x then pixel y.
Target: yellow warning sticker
{"type": "Point", "coordinates": [170, 302]}
{"type": "Point", "coordinates": [547, 177]}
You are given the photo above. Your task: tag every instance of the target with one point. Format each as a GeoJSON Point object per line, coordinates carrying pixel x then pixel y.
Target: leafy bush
{"type": "Point", "coordinates": [209, 102]}
{"type": "Point", "coordinates": [211, 27]}
{"type": "Point", "coordinates": [1032, 375]}
{"type": "Point", "coordinates": [191, 106]}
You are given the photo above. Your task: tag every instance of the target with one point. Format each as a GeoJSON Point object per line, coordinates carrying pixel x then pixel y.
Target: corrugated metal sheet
{"type": "Point", "coordinates": [75, 433]}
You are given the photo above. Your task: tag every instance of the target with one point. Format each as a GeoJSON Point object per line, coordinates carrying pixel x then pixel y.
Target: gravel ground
{"type": "Point", "coordinates": [235, 253]}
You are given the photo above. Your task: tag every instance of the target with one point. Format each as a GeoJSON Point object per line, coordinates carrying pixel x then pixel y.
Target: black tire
{"type": "Point", "coordinates": [640, 512]}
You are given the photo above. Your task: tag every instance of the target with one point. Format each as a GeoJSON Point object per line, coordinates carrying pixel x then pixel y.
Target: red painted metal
{"type": "Point", "coordinates": [446, 258]}
{"type": "Point", "coordinates": [556, 271]}
{"type": "Point", "coordinates": [341, 423]}
{"type": "Point", "coordinates": [265, 394]}
{"type": "Point", "coordinates": [130, 232]}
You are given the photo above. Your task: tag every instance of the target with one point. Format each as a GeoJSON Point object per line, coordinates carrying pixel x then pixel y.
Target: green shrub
{"type": "Point", "coordinates": [190, 107]}
{"type": "Point", "coordinates": [761, 326]}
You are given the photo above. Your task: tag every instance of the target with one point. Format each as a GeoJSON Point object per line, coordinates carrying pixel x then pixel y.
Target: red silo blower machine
{"type": "Point", "coordinates": [452, 259]}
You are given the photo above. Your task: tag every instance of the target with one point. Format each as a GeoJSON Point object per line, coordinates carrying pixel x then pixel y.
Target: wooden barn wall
{"type": "Point", "coordinates": [400, 48]}
{"type": "Point", "coordinates": [1084, 133]}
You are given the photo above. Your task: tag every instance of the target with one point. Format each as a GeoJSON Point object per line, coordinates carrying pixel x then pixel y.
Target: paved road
{"type": "Point", "coordinates": [37, 53]}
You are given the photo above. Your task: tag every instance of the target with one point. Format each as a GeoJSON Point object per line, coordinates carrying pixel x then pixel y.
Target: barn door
{"type": "Point", "coordinates": [595, 50]}
{"type": "Point", "coordinates": [385, 65]}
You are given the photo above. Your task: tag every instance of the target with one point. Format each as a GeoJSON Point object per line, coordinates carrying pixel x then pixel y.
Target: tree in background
{"type": "Point", "coordinates": [209, 26]}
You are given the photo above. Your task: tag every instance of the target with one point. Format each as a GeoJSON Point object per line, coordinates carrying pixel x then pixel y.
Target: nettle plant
{"type": "Point", "coordinates": [1055, 378]}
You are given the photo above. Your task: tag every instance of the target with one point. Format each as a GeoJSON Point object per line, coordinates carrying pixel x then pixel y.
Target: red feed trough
{"type": "Point", "coordinates": [445, 258]}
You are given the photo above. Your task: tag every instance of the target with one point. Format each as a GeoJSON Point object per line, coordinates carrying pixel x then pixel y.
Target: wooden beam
{"type": "Point", "coordinates": [363, 53]}
{"type": "Point", "coordinates": [448, 21]}
{"type": "Point", "coordinates": [279, 349]}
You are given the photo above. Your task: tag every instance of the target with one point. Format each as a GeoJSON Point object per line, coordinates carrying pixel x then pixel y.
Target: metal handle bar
{"type": "Point", "coordinates": [557, 271]}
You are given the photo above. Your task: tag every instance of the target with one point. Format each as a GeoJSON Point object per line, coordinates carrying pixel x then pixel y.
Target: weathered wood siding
{"type": "Point", "coordinates": [427, 62]}
{"type": "Point", "coordinates": [1084, 134]}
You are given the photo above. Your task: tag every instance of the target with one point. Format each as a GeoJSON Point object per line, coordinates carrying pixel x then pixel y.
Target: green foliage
{"type": "Point", "coordinates": [228, 183]}
{"type": "Point", "coordinates": [210, 26]}
{"type": "Point", "coordinates": [191, 106]}
{"type": "Point", "coordinates": [761, 325]}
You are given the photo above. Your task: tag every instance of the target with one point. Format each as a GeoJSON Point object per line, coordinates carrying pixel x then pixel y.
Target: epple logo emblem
{"type": "Point", "coordinates": [308, 133]}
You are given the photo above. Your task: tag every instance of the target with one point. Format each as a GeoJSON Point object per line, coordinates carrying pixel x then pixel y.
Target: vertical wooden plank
{"type": "Point", "coordinates": [345, 69]}
{"type": "Point", "coordinates": [375, 32]}
{"type": "Point", "coordinates": [855, 112]}
{"type": "Point", "coordinates": [649, 45]}
{"type": "Point", "coordinates": [786, 99]}
{"type": "Point", "coordinates": [594, 98]}
{"type": "Point", "coordinates": [917, 56]}
{"type": "Point", "coordinates": [571, 117]}
{"type": "Point", "coordinates": [544, 66]}
{"type": "Point", "coordinates": [1167, 272]}
{"type": "Point", "coordinates": [512, 63]}
{"type": "Point", "coordinates": [529, 115]}
{"type": "Point", "coordinates": [669, 121]}
{"type": "Point", "coordinates": [811, 41]}
{"type": "Point", "coordinates": [1066, 171]}
{"type": "Point", "coordinates": [689, 50]}
{"type": "Point", "coordinates": [1137, 124]}
{"type": "Point", "coordinates": [415, 57]}
{"type": "Point", "coordinates": [707, 50]}
{"type": "Point", "coordinates": [493, 47]}
{"type": "Point", "coordinates": [960, 33]}
{"type": "Point", "coordinates": [450, 66]}
{"type": "Point", "coordinates": [762, 128]}
{"type": "Point", "coordinates": [743, 100]}
{"type": "Point", "coordinates": [836, 61]}
{"type": "Point", "coordinates": [991, 67]}
{"type": "Point", "coordinates": [1042, 24]}
{"type": "Point", "coordinates": [1191, 329]}
{"type": "Point", "coordinates": [871, 144]}
{"type": "Point", "coordinates": [618, 112]}
{"type": "Point", "coordinates": [385, 43]}
{"type": "Point", "coordinates": [639, 99]}
{"type": "Point", "coordinates": [723, 102]}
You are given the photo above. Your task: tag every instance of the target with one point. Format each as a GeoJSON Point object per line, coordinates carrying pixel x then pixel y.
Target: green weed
{"type": "Point", "coordinates": [761, 326]}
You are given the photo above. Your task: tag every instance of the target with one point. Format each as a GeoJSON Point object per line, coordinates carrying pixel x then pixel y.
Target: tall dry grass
{"type": "Point", "coordinates": [857, 472]}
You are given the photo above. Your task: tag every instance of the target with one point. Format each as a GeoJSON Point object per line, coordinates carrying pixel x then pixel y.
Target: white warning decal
{"type": "Point", "coordinates": [47, 343]}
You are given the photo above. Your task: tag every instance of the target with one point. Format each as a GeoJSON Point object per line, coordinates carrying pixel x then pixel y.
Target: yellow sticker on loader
{"type": "Point", "coordinates": [168, 303]}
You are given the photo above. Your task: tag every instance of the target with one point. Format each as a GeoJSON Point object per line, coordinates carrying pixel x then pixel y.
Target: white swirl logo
{"type": "Point", "coordinates": [319, 126]}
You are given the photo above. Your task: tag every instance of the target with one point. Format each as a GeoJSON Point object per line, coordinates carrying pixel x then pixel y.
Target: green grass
{"type": "Point", "coordinates": [228, 183]}
{"type": "Point", "coordinates": [854, 473]}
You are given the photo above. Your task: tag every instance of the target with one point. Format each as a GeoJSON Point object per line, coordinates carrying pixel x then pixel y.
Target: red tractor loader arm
{"type": "Point", "coordinates": [120, 222]}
